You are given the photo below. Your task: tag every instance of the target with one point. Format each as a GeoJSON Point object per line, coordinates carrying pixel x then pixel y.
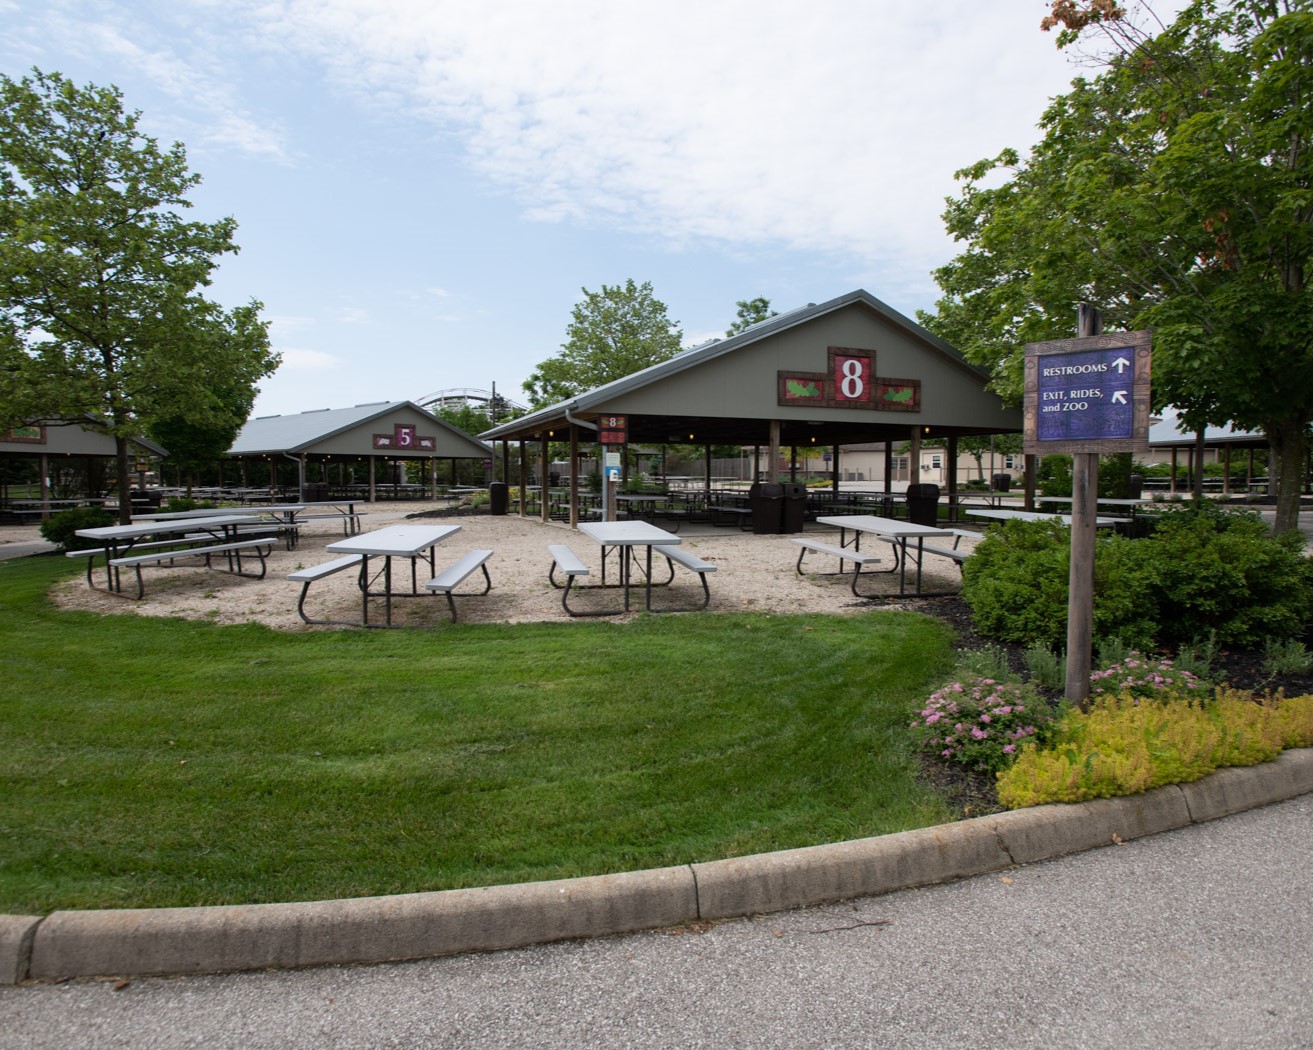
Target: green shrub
{"type": "Point", "coordinates": [1222, 570]}
{"type": "Point", "coordinates": [1054, 475]}
{"type": "Point", "coordinates": [1288, 657]}
{"type": "Point", "coordinates": [1201, 571]}
{"type": "Point", "coordinates": [1123, 745]}
{"type": "Point", "coordinates": [1048, 669]}
{"type": "Point", "coordinates": [61, 528]}
{"type": "Point", "coordinates": [1016, 584]}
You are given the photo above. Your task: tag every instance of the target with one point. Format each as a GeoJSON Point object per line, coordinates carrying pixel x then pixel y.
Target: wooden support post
{"type": "Point", "coordinates": [951, 475]}
{"type": "Point", "coordinates": [574, 476]}
{"type": "Point", "coordinates": [773, 471]}
{"type": "Point", "coordinates": [524, 479]}
{"type": "Point", "coordinates": [543, 465]}
{"type": "Point", "coordinates": [1080, 594]}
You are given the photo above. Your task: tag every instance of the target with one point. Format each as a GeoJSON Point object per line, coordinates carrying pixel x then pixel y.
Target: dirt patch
{"type": "Point", "coordinates": [753, 574]}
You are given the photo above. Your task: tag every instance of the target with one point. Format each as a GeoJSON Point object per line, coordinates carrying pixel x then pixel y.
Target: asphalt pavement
{"type": "Point", "coordinates": [1194, 938]}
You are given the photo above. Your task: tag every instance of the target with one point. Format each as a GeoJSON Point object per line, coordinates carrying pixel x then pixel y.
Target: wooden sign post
{"type": "Point", "coordinates": [612, 435]}
{"type": "Point", "coordinates": [1086, 396]}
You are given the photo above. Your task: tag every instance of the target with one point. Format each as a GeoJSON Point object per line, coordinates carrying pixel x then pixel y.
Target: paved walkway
{"type": "Point", "coordinates": [22, 548]}
{"type": "Point", "coordinates": [1201, 937]}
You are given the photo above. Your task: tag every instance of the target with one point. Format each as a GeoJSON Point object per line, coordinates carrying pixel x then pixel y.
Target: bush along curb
{"type": "Point", "coordinates": [132, 942]}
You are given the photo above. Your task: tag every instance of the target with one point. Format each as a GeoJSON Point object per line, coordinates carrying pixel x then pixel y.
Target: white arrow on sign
{"type": "Point", "coordinates": [1121, 364]}
{"type": "Point", "coordinates": [1119, 397]}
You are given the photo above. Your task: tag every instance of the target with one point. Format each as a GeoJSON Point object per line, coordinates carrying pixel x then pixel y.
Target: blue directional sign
{"type": "Point", "coordinates": [1086, 395]}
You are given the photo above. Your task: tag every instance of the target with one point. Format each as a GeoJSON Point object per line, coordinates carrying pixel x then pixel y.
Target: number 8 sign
{"type": "Point", "coordinates": [852, 378]}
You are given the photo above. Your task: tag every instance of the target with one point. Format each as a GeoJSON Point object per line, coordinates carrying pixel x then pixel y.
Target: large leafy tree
{"type": "Point", "coordinates": [614, 332]}
{"type": "Point", "coordinates": [1174, 190]}
{"type": "Point", "coordinates": [101, 313]}
{"type": "Point", "coordinates": [750, 312]}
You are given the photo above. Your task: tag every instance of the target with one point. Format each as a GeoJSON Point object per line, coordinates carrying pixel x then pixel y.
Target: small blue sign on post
{"type": "Point", "coordinates": [1088, 395]}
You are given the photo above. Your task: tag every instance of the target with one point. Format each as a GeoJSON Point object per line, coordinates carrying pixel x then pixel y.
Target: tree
{"type": "Point", "coordinates": [1174, 191]}
{"type": "Point", "coordinates": [99, 274]}
{"type": "Point", "coordinates": [978, 445]}
{"type": "Point", "coordinates": [614, 333]}
{"type": "Point", "coordinates": [466, 417]}
{"type": "Point", "coordinates": [750, 312]}
{"type": "Point", "coordinates": [195, 444]}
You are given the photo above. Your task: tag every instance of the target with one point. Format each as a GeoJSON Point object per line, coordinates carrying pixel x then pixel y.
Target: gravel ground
{"type": "Point", "coordinates": [753, 573]}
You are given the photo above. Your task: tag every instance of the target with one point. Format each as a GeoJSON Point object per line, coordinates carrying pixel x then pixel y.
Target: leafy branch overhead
{"type": "Point", "coordinates": [101, 311]}
{"type": "Point", "coordinates": [1174, 191]}
{"type": "Point", "coordinates": [612, 333]}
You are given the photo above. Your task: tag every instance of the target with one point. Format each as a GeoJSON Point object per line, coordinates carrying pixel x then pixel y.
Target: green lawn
{"type": "Point", "coordinates": [153, 762]}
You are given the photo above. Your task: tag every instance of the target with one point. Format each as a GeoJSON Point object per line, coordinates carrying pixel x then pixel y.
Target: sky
{"type": "Point", "coordinates": [423, 189]}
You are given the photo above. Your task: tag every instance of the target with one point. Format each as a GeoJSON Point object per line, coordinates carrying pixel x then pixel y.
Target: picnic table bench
{"type": "Point", "coordinates": [729, 514]}
{"type": "Point", "coordinates": [453, 576]}
{"type": "Point", "coordinates": [309, 575]}
{"type": "Point", "coordinates": [958, 556]}
{"type": "Point", "coordinates": [571, 566]}
{"type": "Point", "coordinates": [233, 552]}
{"type": "Point", "coordinates": [842, 553]}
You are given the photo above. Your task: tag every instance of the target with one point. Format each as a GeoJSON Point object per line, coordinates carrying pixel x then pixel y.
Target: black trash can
{"type": "Point", "coordinates": [923, 504]}
{"type": "Point", "coordinates": [143, 501]}
{"type": "Point", "coordinates": [499, 497]}
{"type": "Point", "coordinates": [1135, 486]}
{"type": "Point", "coordinates": [314, 492]}
{"type": "Point", "coordinates": [766, 498]}
{"type": "Point", "coordinates": [1000, 482]}
{"type": "Point", "coordinates": [795, 507]}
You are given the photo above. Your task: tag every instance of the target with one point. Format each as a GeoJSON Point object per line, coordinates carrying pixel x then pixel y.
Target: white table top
{"type": "Point", "coordinates": [895, 527]}
{"type": "Point", "coordinates": [1108, 502]}
{"type": "Point", "coordinates": [627, 533]}
{"type": "Point", "coordinates": [248, 512]}
{"type": "Point", "coordinates": [1034, 515]}
{"type": "Point", "coordinates": [150, 528]}
{"type": "Point", "coordinates": [403, 540]}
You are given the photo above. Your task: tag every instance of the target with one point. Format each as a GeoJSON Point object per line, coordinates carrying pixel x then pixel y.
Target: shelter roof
{"type": "Point", "coordinates": [55, 436]}
{"type": "Point", "coordinates": [1170, 432]}
{"type": "Point", "coordinates": [350, 431]}
{"type": "Point", "coordinates": [729, 390]}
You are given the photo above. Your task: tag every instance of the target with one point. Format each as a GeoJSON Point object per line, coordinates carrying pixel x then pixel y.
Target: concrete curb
{"type": "Point", "coordinates": [421, 925]}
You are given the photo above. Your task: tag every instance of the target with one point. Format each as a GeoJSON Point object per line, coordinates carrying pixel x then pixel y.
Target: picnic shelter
{"type": "Point", "coordinates": [848, 371]}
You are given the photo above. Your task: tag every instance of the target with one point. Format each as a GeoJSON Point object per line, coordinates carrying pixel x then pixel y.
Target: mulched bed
{"type": "Point", "coordinates": [973, 793]}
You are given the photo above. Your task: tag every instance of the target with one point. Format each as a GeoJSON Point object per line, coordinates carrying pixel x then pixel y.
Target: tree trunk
{"type": "Point", "coordinates": [1289, 441]}
{"type": "Point", "coordinates": [123, 469]}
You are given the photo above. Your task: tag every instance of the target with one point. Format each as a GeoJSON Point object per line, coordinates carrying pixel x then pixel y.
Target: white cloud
{"type": "Point", "coordinates": [297, 359]}
{"type": "Point", "coordinates": [179, 61]}
{"type": "Point", "coordinates": [832, 126]}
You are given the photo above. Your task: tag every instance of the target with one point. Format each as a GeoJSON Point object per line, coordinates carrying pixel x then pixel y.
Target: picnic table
{"type": "Point", "coordinates": [627, 536]}
{"type": "Point", "coordinates": [197, 536]}
{"type": "Point", "coordinates": [1034, 515]}
{"type": "Point", "coordinates": [1132, 505]}
{"type": "Point", "coordinates": [897, 532]}
{"type": "Point", "coordinates": [393, 541]}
